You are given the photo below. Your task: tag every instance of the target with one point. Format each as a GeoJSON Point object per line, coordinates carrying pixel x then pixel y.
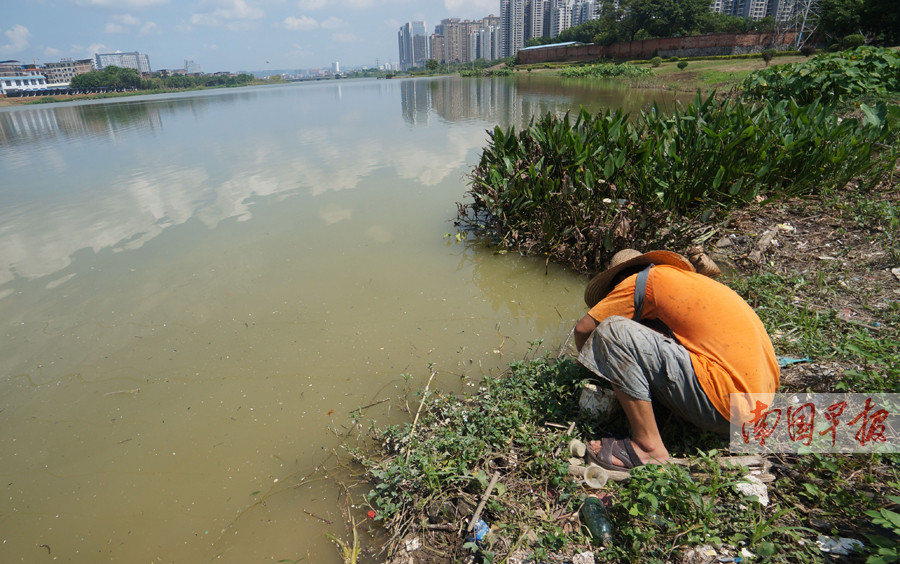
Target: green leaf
{"type": "Point", "coordinates": [717, 181]}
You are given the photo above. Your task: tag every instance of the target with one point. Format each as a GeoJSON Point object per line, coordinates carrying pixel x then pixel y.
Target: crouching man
{"type": "Point", "coordinates": [659, 330]}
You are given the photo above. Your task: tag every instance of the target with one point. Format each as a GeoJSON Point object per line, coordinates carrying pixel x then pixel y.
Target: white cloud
{"type": "Point", "coordinates": [344, 37]}
{"type": "Point", "coordinates": [303, 23]}
{"type": "Point", "coordinates": [333, 23]}
{"type": "Point", "coordinates": [149, 28]}
{"type": "Point", "coordinates": [95, 48]}
{"type": "Point", "coordinates": [52, 52]}
{"type": "Point", "coordinates": [484, 7]}
{"type": "Point", "coordinates": [231, 14]}
{"type": "Point", "coordinates": [126, 19]}
{"type": "Point", "coordinates": [123, 23]}
{"type": "Point", "coordinates": [122, 4]}
{"type": "Point", "coordinates": [312, 4]}
{"type": "Point", "coordinates": [18, 39]}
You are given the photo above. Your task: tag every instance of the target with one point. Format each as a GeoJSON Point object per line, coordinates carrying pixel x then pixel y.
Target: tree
{"type": "Point", "coordinates": [583, 33]}
{"type": "Point", "coordinates": [840, 18]}
{"type": "Point", "coordinates": [109, 77]}
{"type": "Point", "coordinates": [628, 20]}
{"type": "Point", "coordinates": [431, 65]}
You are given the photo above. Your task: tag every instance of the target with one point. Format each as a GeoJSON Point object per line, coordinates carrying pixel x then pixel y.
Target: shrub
{"type": "Point", "coordinates": [768, 55]}
{"type": "Point", "coordinates": [834, 77]}
{"type": "Point", "coordinates": [853, 41]}
{"type": "Point", "coordinates": [605, 70]}
{"type": "Point", "coordinates": [808, 50]}
{"type": "Point", "coordinates": [655, 61]}
{"type": "Point", "coordinates": [577, 190]}
{"type": "Point", "coordinates": [682, 65]}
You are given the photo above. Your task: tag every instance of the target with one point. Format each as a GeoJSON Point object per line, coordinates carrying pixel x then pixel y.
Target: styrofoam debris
{"type": "Point", "coordinates": [583, 558]}
{"type": "Point", "coordinates": [751, 485]}
{"type": "Point", "coordinates": [840, 546]}
{"type": "Point", "coordinates": [599, 402]}
{"type": "Point", "coordinates": [413, 544]}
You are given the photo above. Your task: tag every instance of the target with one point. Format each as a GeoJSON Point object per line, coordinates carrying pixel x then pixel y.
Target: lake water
{"type": "Point", "coordinates": [197, 290]}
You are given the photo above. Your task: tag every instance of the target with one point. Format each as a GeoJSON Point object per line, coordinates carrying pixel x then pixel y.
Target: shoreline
{"type": "Point", "coordinates": [41, 100]}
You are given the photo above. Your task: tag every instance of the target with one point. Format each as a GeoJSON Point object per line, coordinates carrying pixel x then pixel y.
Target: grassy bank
{"type": "Point", "coordinates": [826, 293]}
{"type": "Point", "coordinates": [816, 253]}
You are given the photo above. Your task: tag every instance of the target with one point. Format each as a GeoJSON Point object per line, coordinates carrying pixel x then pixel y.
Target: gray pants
{"type": "Point", "coordinates": [647, 365]}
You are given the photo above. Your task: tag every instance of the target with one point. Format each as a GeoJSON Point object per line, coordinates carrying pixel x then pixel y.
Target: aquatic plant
{"type": "Point", "coordinates": [831, 77]}
{"type": "Point", "coordinates": [576, 188]}
{"type": "Point", "coordinates": [605, 70]}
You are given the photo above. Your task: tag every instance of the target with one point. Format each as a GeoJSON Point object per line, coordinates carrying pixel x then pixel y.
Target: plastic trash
{"type": "Point", "coordinates": [596, 521]}
{"type": "Point", "coordinates": [595, 477]}
{"type": "Point", "coordinates": [577, 448]}
{"type": "Point", "coordinates": [841, 546]}
{"type": "Point", "coordinates": [601, 403]}
{"type": "Point", "coordinates": [479, 532]}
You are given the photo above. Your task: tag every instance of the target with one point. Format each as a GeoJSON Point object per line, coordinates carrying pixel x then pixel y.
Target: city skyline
{"type": "Point", "coordinates": [222, 35]}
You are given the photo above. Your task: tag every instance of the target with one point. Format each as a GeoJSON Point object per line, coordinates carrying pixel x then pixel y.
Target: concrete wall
{"type": "Point", "coordinates": [693, 46]}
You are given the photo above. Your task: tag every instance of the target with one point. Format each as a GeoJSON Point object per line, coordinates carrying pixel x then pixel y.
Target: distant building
{"type": "Point", "coordinates": [781, 10]}
{"type": "Point", "coordinates": [14, 76]}
{"type": "Point", "coordinates": [63, 71]}
{"type": "Point", "coordinates": [335, 68]}
{"type": "Point", "coordinates": [413, 44]}
{"type": "Point", "coordinates": [130, 60]}
{"type": "Point", "coordinates": [190, 67]}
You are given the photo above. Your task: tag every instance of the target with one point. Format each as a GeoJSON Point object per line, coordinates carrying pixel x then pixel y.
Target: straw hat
{"type": "Point", "coordinates": [601, 285]}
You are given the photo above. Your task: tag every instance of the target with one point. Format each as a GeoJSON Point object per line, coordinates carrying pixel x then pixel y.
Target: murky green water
{"type": "Point", "coordinates": [197, 290]}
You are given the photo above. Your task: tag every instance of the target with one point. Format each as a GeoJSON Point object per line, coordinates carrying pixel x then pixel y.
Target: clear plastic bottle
{"type": "Point", "coordinates": [596, 521]}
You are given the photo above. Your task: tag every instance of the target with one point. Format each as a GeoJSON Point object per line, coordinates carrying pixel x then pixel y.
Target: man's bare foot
{"type": "Point", "coordinates": [656, 456]}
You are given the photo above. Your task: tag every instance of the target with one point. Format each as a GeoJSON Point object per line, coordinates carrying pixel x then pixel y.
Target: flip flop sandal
{"type": "Point", "coordinates": [620, 448]}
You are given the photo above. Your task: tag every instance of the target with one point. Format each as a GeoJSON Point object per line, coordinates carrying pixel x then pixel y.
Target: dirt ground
{"type": "Point", "coordinates": [850, 270]}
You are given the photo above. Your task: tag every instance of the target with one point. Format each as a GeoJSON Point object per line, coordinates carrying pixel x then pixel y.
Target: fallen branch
{"type": "Point", "coordinates": [412, 428]}
{"type": "Point", "coordinates": [484, 498]}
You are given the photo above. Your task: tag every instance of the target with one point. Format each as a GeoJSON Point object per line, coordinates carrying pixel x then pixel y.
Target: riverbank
{"type": "Point", "coordinates": [39, 100]}
{"type": "Point", "coordinates": [701, 73]}
{"type": "Point", "coordinates": [819, 263]}
{"type": "Point", "coordinates": [823, 275]}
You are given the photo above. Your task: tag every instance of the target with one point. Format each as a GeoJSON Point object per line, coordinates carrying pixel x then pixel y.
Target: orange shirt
{"type": "Point", "coordinates": [729, 347]}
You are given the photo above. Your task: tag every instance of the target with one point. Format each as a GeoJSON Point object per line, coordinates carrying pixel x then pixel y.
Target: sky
{"type": "Point", "coordinates": [222, 35]}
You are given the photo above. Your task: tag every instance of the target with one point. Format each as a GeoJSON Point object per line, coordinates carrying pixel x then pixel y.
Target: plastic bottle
{"type": "Point", "coordinates": [596, 521]}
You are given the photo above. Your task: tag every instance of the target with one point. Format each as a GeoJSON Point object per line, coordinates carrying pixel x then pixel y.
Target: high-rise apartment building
{"type": "Point", "coordinates": [414, 46]}
{"type": "Point", "coordinates": [130, 60]}
{"type": "Point", "coordinates": [190, 67]}
{"type": "Point", "coordinates": [583, 12]}
{"type": "Point", "coordinates": [512, 27]}
{"type": "Point", "coordinates": [781, 10]}
{"type": "Point", "coordinates": [521, 20]}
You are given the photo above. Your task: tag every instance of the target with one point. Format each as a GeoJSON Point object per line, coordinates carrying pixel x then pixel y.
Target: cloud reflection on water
{"type": "Point", "coordinates": [115, 175]}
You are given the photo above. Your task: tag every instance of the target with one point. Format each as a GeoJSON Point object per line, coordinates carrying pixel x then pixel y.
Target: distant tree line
{"type": "Point", "coordinates": [633, 20]}
{"type": "Point", "coordinates": [125, 78]}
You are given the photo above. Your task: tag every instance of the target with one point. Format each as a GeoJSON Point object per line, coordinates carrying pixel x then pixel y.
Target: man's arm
{"type": "Point", "coordinates": [583, 329]}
